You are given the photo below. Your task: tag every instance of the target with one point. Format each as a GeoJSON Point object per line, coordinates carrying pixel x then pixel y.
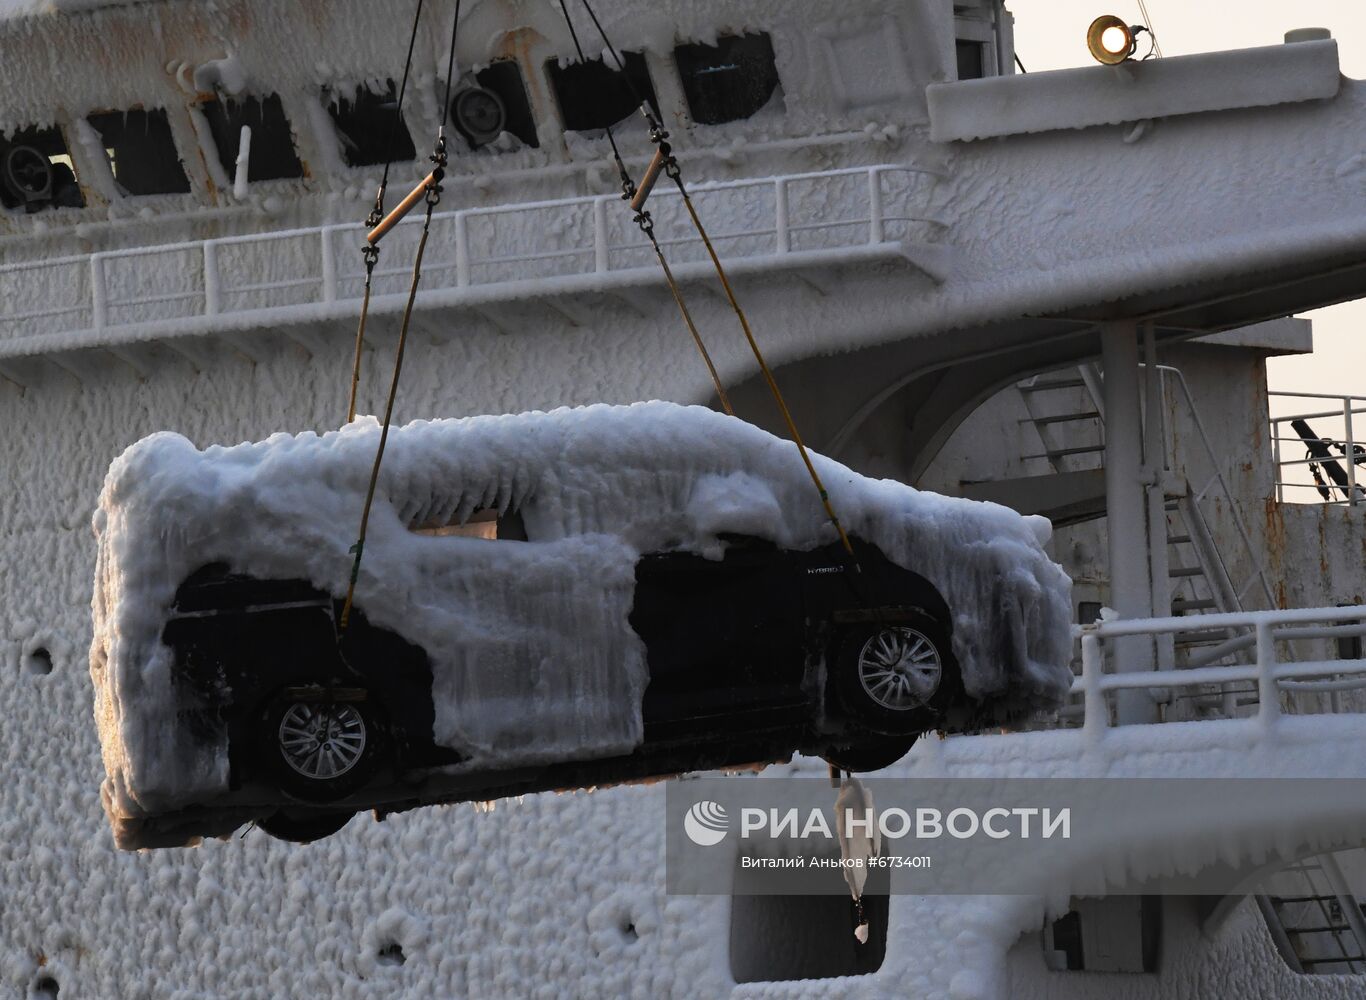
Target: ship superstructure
{"type": "Point", "coordinates": [1055, 290]}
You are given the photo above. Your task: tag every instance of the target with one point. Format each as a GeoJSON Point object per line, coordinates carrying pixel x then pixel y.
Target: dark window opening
{"type": "Point", "coordinates": [141, 152]}
{"type": "Point", "coordinates": [36, 171]}
{"type": "Point", "coordinates": [1088, 612]}
{"type": "Point", "coordinates": [784, 938]}
{"type": "Point", "coordinates": [594, 96]}
{"type": "Point", "coordinates": [971, 60]}
{"type": "Point", "coordinates": [272, 153]}
{"type": "Point", "coordinates": [497, 103]}
{"type": "Point", "coordinates": [1109, 934]}
{"type": "Point", "coordinates": [730, 80]}
{"type": "Point", "coordinates": [371, 127]}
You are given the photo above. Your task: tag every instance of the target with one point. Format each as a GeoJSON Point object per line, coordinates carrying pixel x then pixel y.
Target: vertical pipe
{"type": "Point", "coordinates": [211, 293]}
{"type": "Point", "coordinates": [783, 241]}
{"type": "Point", "coordinates": [1276, 460]}
{"type": "Point", "coordinates": [600, 259]}
{"type": "Point", "coordinates": [99, 293]}
{"type": "Point", "coordinates": [1126, 514]}
{"type": "Point", "coordinates": [1156, 462]}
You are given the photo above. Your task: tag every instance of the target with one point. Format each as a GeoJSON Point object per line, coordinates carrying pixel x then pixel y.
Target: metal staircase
{"type": "Point", "coordinates": [1067, 414]}
{"type": "Point", "coordinates": [1314, 918]}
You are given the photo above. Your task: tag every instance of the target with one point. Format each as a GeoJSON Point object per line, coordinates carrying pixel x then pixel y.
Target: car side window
{"type": "Point", "coordinates": [486, 523]}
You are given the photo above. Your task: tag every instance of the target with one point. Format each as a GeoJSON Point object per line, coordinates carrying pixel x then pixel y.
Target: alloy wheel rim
{"type": "Point", "coordinates": [322, 741]}
{"type": "Point", "coordinates": [900, 668]}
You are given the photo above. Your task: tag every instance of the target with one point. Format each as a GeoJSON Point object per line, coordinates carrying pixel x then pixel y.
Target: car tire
{"type": "Point", "coordinates": [305, 829]}
{"type": "Point", "coordinates": [896, 678]}
{"type": "Point", "coordinates": [342, 757]}
{"type": "Point", "coordinates": [872, 755]}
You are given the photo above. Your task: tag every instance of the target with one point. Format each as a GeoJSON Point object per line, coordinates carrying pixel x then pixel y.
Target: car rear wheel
{"type": "Point", "coordinates": [320, 750]}
{"type": "Point", "coordinates": [870, 756]}
{"type": "Point", "coordinates": [305, 829]}
{"type": "Point", "coordinates": [896, 677]}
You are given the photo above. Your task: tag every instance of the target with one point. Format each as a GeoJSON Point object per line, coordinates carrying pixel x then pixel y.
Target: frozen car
{"type": "Point", "coordinates": [546, 600]}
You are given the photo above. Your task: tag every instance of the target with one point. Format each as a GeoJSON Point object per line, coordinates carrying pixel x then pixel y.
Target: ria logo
{"type": "Point", "coordinates": [706, 823]}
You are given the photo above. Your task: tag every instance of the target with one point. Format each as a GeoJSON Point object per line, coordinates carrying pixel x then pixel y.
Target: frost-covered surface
{"type": "Point", "coordinates": [532, 655]}
{"type": "Point", "coordinates": [1108, 95]}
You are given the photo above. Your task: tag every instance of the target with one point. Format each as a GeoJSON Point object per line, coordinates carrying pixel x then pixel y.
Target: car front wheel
{"type": "Point", "coordinates": [896, 677]}
{"type": "Point", "coordinates": [320, 750]}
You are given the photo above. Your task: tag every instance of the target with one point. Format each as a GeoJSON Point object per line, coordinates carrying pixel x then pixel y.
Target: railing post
{"type": "Point", "coordinates": [782, 238]}
{"type": "Point", "coordinates": [1268, 694]}
{"type": "Point", "coordinates": [212, 302]}
{"type": "Point", "coordinates": [462, 251]}
{"type": "Point", "coordinates": [1351, 452]}
{"type": "Point", "coordinates": [601, 264]}
{"type": "Point", "coordinates": [1096, 717]}
{"type": "Point", "coordinates": [876, 233]}
{"type": "Point", "coordinates": [1276, 469]}
{"type": "Point", "coordinates": [99, 293]}
{"type": "Point", "coordinates": [329, 263]}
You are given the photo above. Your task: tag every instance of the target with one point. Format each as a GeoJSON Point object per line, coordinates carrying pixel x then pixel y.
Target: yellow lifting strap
{"type": "Point", "coordinates": [665, 161]}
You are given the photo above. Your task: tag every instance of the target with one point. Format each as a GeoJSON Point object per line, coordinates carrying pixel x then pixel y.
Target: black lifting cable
{"type": "Point", "coordinates": [636, 200]}
{"type": "Point", "coordinates": [428, 190]}
{"type": "Point", "coordinates": [370, 251]}
{"type": "Point", "coordinates": [665, 161]}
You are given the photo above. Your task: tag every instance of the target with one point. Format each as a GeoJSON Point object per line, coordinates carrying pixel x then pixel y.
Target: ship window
{"type": "Point", "coordinates": [371, 127]}
{"type": "Point", "coordinates": [141, 152]}
{"type": "Point", "coordinates": [36, 171]}
{"type": "Point", "coordinates": [496, 104]}
{"type": "Point", "coordinates": [727, 81]}
{"type": "Point", "coordinates": [593, 96]}
{"type": "Point", "coordinates": [272, 144]}
{"type": "Point", "coordinates": [971, 60]}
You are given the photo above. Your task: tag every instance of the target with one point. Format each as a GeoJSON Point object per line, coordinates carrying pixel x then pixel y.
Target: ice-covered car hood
{"type": "Point", "coordinates": [531, 651]}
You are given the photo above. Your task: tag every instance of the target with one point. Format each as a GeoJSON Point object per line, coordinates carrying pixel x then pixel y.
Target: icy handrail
{"type": "Point", "coordinates": [1271, 675]}
{"type": "Point", "coordinates": [316, 275]}
{"type": "Point", "coordinates": [1310, 492]}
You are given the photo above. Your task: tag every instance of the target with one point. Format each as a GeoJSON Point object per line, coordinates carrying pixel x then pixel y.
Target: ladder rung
{"type": "Point", "coordinates": [1178, 539]}
{"type": "Point", "coordinates": [1332, 961]}
{"type": "Point", "coordinates": [1062, 383]}
{"type": "Point", "coordinates": [1303, 899]}
{"type": "Point", "coordinates": [1063, 418]}
{"type": "Point", "coordinates": [1202, 604]}
{"type": "Point", "coordinates": [1186, 571]}
{"type": "Point", "coordinates": [1317, 930]}
{"type": "Point", "coordinates": [1064, 452]}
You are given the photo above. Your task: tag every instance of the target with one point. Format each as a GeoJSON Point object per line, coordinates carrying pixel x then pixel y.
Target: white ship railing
{"type": "Point", "coordinates": [1336, 427]}
{"type": "Point", "coordinates": [516, 245]}
{"type": "Point", "coordinates": [1268, 674]}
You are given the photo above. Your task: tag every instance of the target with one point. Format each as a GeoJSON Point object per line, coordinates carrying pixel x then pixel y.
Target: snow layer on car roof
{"type": "Point", "coordinates": [531, 652]}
